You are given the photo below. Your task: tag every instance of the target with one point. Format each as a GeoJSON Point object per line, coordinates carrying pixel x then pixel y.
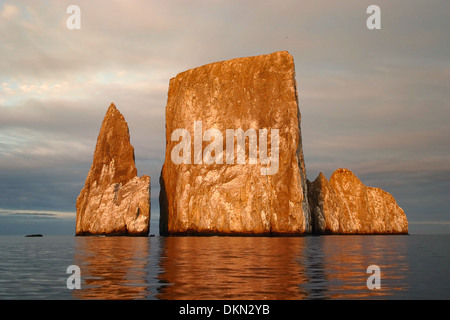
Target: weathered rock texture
{"type": "Point", "coordinates": [344, 205]}
{"type": "Point", "coordinates": [247, 93]}
{"type": "Point", "coordinates": [114, 201]}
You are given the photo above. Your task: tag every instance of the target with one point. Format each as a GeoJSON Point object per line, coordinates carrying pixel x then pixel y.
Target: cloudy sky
{"type": "Point", "coordinates": [374, 101]}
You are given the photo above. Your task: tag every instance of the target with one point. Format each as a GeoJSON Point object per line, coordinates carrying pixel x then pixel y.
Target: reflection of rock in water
{"type": "Point", "coordinates": [232, 268]}
{"type": "Point", "coordinates": [326, 267]}
{"type": "Point", "coordinates": [112, 267]}
{"type": "Point", "coordinates": [347, 257]}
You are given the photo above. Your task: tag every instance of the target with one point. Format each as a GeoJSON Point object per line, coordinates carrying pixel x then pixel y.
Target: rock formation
{"type": "Point", "coordinates": [114, 201]}
{"type": "Point", "coordinates": [207, 188]}
{"type": "Point", "coordinates": [344, 205]}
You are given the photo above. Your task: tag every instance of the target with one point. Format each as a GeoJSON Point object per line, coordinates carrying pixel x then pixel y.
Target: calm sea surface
{"type": "Point", "coordinates": [325, 267]}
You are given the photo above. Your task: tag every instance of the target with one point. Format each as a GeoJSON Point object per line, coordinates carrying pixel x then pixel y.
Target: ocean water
{"type": "Point", "coordinates": [243, 268]}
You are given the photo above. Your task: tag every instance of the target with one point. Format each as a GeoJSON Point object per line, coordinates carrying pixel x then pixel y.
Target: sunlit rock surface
{"type": "Point", "coordinates": [231, 198]}
{"type": "Point", "coordinates": [344, 205]}
{"type": "Point", "coordinates": [114, 200]}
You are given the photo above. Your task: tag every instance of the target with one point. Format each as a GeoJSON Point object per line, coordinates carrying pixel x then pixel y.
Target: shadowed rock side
{"type": "Point", "coordinates": [230, 198]}
{"type": "Point", "coordinates": [114, 201]}
{"type": "Point", "coordinates": [344, 205]}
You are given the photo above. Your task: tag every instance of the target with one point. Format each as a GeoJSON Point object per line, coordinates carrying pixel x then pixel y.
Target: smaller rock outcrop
{"type": "Point", "coordinates": [344, 205]}
{"type": "Point", "coordinates": [114, 200]}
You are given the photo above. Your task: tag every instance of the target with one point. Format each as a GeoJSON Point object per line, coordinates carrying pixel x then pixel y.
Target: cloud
{"type": "Point", "coordinates": [9, 12]}
{"type": "Point", "coordinates": [38, 214]}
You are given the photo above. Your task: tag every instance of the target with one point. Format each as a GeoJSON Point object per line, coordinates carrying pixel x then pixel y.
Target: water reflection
{"type": "Point", "coordinates": [337, 266]}
{"type": "Point", "coordinates": [313, 259]}
{"type": "Point", "coordinates": [112, 267]}
{"type": "Point", "coordinates": [325, 267]}
{"type": "Point", "coordinates": [232, 268]}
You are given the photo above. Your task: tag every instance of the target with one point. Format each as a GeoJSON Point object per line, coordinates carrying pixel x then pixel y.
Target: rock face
{"type": "Point", "coordinates": [344, 205]}
{"type": "Point", "coordinates": [114, 201]}
{"type": "Point", "coordinates": [207, 188]}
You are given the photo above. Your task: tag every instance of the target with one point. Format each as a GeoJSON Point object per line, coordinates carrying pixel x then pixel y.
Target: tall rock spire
{"type": "Point", "coordinates": [114, 201]}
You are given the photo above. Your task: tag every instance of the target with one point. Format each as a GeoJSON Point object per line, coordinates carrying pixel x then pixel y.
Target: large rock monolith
{"type": "Point", "coordinates": [114, 200]}
{"type": "Point", "coordinates": [234, 160]}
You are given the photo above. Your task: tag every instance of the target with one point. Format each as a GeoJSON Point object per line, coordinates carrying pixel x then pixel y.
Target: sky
{"type": "Point", "coordinates": [376, 102]}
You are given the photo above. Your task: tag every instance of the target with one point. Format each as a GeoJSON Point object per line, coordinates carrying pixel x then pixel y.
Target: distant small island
{"type": "Point", "coordinates": [34, 235]}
